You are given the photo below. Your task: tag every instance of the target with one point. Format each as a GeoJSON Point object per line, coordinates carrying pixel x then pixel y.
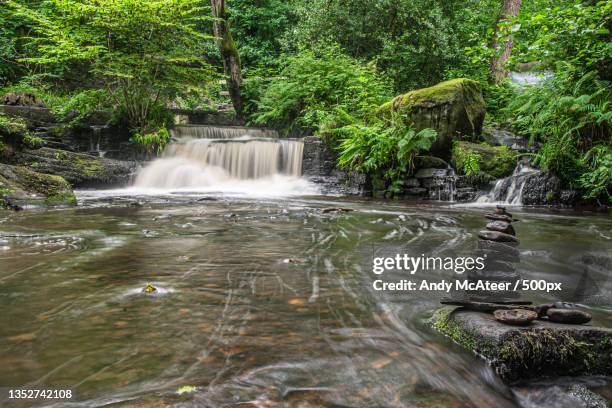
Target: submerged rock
{"type": "Point", "coordinates": [20, 186]}
{"type": "Point", "coordinates": [452, 108]}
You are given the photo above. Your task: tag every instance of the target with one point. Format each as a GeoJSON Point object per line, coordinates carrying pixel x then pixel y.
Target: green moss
{"type": "Point", "coordinates": [54, 188]}
{"type": "Point", "coordinates": [89, 167]}
{"type": "Point", "coordinates": [497, 161]}
{"type": "Point", "coordinates": [443, 322]}
{"type": "Point", "coordinates": [442, 93]}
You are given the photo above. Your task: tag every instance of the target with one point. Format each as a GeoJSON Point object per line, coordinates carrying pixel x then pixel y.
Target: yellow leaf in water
{"type": "Point", "coordinates": [186, 389]}
{"type": "Point", "coordinates": [378, 364]}
{"type": "Point", "coordinates": [297, 302]}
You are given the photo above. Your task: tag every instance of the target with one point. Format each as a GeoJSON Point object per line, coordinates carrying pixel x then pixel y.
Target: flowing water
{"type": "Point", "coordinates": [262, 302]}
{"type": "Point", "coordinates": [233, 162]}
{"type": "Point", "coordinates": [509, 190]}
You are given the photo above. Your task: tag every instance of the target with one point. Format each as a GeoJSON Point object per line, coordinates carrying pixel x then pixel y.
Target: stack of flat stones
{"type": "Point", "coordinates": [498, 245]}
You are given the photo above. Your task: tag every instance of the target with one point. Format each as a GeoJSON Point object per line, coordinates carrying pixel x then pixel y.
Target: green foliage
{"type": "Point", "coordinates": [144, 53]}
{"type": "Point", "coordinates": [82, 105]}
{"type": "Point", "coordinates": [386, 148]}
{"type": "Point", "coordinates": [574, 31]}
{"type": "Point", "coordinates": [571, 115]}
{"type": "Point", "coordinates": [414, 42]}
{"type": "Point", "coordinates": [32, 141]}
{"type": "Point", "coordinates": [258, 28]}
{"type": "Point", "coordinates": [317, 89]}
{"type": "Point", "coordinates": [472, 163]}
{"type": "Point", "coordinates": [597, 179]}
{"type": "Point", "coordinates": [11, 125]}
{"type": "Point", "coordinates": [152, 142]}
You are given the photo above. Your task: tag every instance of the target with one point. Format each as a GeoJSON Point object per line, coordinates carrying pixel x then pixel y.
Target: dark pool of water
{"type": "Point", "coordinates": [243, 324]}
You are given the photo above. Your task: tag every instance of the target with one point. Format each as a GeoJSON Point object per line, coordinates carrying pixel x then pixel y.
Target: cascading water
{"type": "Point", "coordinates": [510, 189]}
{"type": "Point", "coordinates": [219, 132]}
{"type": "Point", "coordinates": [232, 160]}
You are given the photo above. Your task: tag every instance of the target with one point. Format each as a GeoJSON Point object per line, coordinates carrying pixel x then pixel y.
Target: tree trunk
{"type": "Point", "coordinates": [502, 50]}
{"type": "Point", "coordinates": [229, 52]}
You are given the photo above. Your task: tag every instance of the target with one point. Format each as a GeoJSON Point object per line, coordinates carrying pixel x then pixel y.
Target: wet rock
{"type": "Point", "coordinates": [422, 162]}
{"type": "Point", "coordinates": [336, 209]}
{"type": "Point", "coordinates": [416, 191]}
{"type": "Point", "coordinates": [515, 317]}
{"type": "Point", "coordinates": [500, 264]}
{"type": "Point", "coordinates": [412, 182]}
{"type": "Point", "coordinates": [431, 173]}
{"type": "Point", "coordinates": [559, 396]}
{"type": "Point", "coordinates": [568, 316]}
{"type": "Point", "coordinates": [541, 188]}
{"type": "Point", "coordinates": [542, 309]}
{"type": "Point", "coordinates": [498, 217]}
{"type": "Point", "coordinates": [501, 226]}
{"type": "Point", "coordinates": [498, 237]}
{"type": "Point", "coordinates": [542, 349]}
{"type": "Point", "coordinates": [486, 307]}
{"type": "Point", "coordinates": [453, 108]}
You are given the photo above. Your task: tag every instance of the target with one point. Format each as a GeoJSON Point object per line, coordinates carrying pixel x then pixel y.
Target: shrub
{"type": "Point", "coordinates": [316, 89]}
{"type": "Point", "coordinates": [386, 148]}
{"type": "Point", "coordinates": [152, 142]}
{"type": "Point", "coordinates": [570, 114]}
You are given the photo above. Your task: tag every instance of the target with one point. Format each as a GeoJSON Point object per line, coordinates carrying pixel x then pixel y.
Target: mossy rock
{"type": "Point", "coordinates": [453, 108]}
{"type": "Point", "coordinates": [541, 349]}
{"type": "Point", "coordinates": [80, 170]}
{"type": "Point", "coordinates": [498, 161]}
{"type": "Point", "coordinates": [425, 162]}
{"type": "Point", "coordinates": [23, 186]}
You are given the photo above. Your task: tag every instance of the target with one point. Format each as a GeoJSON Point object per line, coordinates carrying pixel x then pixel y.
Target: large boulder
{"type": "Point", "coordinates": [498, 161]}
{"type": "Point", "coordinates": [80, 170]}
{"type": "Point", "coordinates": [21, 186]}
{"type": "Point", "coordinates": [453, 108]}
{"type": "Point", "coordinates": [542, 349]}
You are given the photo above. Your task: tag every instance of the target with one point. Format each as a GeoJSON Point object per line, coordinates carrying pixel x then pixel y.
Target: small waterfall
{"type": "Point", "coordinates": [220, 132]}
{"type": "Point", "coordinates": [443, 187]}
{"type": "Point", "coordinates": [510, 189]}
{"type": "Point", "coordinates": [201, 163]}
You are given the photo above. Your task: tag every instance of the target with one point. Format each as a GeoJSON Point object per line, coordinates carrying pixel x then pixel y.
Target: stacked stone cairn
{"type": "Point", "coordinates": [498, 245]}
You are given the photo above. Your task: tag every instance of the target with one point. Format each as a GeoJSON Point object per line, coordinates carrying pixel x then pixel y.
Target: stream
{"type": "Point", "coordinates": [262, 302]}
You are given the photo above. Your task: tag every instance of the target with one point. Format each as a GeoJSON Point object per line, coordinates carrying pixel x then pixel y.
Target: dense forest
{"type": "Point", "coordinates": [326, 67]}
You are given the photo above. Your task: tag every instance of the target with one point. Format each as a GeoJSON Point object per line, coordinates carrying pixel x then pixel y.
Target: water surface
{"type": "Point", "coordinates": [262, 302]}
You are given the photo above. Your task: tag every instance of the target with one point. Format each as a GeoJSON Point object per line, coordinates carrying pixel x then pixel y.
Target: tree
{"type": "Point", "coordinates": [144, 53]}
{"type": "Point", "coordinates": [502, 40]}
{"type": "Point", "coordinates": [229, 52]}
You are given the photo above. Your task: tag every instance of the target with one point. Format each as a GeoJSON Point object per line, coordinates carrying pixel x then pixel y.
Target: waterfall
{"type": "Point", "coordinates": [225, 162]}
{"type": "Point", "coordinates": [219, 132]}
{"type": "Point", "coordinates": [510, 189]}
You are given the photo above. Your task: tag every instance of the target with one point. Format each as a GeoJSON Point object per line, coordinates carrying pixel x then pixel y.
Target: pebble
{"type": "Point", "coordinates": [568, 316]}
{"type": "Point", "coordinates": [515, 317]}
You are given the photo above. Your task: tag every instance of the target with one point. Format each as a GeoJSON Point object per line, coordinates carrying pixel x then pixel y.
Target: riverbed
{"type": "Point", "coordinates": [261, 302]}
